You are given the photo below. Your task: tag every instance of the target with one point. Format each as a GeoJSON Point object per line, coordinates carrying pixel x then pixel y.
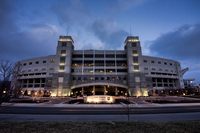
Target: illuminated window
{"type": "Point", "coordinates": [62, 59]}
{"type": "Point", "coordinates": [63, 52]}
{"type": "Point", "coordinates": [52, 61]}
{"type": "Point", "coordinates": [136, 67]}
{"type": "Point", "coordinates": [62, 67]}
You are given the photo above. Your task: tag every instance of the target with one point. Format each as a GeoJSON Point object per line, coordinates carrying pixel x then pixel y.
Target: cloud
{"type": "Point", "coordinates": [7, 16]}
{"type": "Point", "coordinates": [70, 13]}
{"type": "Point", "coordinates": [27, 44]}
{"type": "Point", "coordinates": [183, 43]}
{"type": "Point", "coordinates": [109, 33]}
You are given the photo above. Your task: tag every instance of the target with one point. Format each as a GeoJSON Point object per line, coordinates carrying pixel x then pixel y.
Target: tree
{"type": "Point", "coordinates": [6, 68]}
{"type": "Point", "coordinates": [15, 84]}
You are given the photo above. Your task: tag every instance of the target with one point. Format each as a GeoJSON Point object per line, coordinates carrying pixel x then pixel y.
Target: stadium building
{"type": "Point", "coordinates": [73, 72]}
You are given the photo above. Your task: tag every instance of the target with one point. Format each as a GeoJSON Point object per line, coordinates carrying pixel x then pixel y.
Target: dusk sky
{"type": "Point", "coordinates": [167, 28]}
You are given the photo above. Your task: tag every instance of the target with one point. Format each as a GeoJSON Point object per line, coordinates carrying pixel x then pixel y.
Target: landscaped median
{"type": "Point", "coordinates": [100, 127]}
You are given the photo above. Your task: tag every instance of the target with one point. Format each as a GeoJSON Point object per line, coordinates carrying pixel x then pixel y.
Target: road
{"type": "Point", "coordinates": [97, 110]}
{"type": "Point", "coordinates": [99, 113]}
{"type": "Point", "coordinates": [132, 117]}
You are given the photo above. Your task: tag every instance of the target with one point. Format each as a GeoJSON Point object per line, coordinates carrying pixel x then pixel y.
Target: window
{"type": "Point", "coordinates": [135, 52]}
{"type": "Point", "coordinates": [64, 44]}
{"type": "Point", "coordinates": [37, 62]}
{"type": "Point", "coordinates": [51, 69]}
{"type": "Point", "coordinates": [135, 59]}
{"type": "Point", "coordinates": [153, 69]}
{"type": "Point", "coordinates": [99, 56]}
{"type": "Point", "coordinates": [170, 64]}
{"type": "Point", "coordinates": [159, 62]}
{"type": "Point", "coordinates": [30, 63]}
{"type": "Point", "coordinates": [52, 61]}
{"type": "Point", "coordinates": [146, 68]}
{"type": "Point", "coordinates": [136, 67]}
{"type": "Point", "coordinates": [62, 59]}
{"type": "Point", "coordinates": [24, 64]}
{"type": "Point", "coordinates": [62, 67]}
{"type": "Point", "coordinates": [110, 56]}
{"type": "Point", "coordinates": [152, 61]}
{"type": "Point", "coordinates": [63, 52]}
{"type": "Point", "coordinates": [145, 61]}
{"type": "Point", "coordinates": [165, 63]}
{"type": "Point", "coordinates": [133, 44]}
{"type": "Point", "coordinates": [44, 61]}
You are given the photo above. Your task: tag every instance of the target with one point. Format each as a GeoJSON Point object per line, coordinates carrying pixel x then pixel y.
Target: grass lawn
{"type": "Point", "coordinates": [100, 127]}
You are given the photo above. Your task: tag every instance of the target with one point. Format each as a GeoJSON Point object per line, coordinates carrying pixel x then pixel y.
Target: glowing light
{"type": "Point", "coordinates": [62, 64]}
{"type": "Point", "coordinates": [63, 54]}
{"type": "Point", "coordinates": [4, 92]}
{"type": "Point", "coordinates": [133, 40]}
{"type": "Point", "coordinates": [100, 99]}
{"type": "Point", "coordinates": [135, 54]}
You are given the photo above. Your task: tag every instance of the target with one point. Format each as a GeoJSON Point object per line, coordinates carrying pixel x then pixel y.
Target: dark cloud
{"type": "Point", "coordinates": [71, 12]}
{"type": "Point", "coordinates": [16, 43]}
{"type": "Point", "coordinates": [109, 33]}
{"type": "Point", "coordinates": [183, 43]}
{"type": "Point", "coordinates": [41, 40]}
{"type": "Point", "coordinates": [7, 16]}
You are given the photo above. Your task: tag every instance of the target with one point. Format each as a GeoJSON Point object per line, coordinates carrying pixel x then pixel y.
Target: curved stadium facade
{"type": "Point", "coordinates": [73, 72]}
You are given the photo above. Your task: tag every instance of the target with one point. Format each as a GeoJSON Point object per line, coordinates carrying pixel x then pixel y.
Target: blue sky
{"type": "Point", "coordinates": [167, 28]}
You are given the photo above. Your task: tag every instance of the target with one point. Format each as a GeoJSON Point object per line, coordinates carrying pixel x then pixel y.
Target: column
{"type": "Point", "coordinates": [162, 82]}
{"type": "Point", "coordinates": [104, 90]}
{"type": "Point", "coordinates": [82, 91]}
{"type": "Point", "coordinates": [116, 91]}
{"type": "Point", "coordinates": [93, 90]}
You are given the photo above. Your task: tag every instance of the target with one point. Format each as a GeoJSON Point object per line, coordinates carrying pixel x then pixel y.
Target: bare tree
{"type": "Point", "coordinates": [15, 84]}
{"type": "Point", "coordinates": [6, 68]}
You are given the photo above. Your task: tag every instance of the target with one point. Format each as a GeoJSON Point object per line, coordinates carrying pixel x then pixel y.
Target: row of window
{"type": "Point", "coordinates": [36, 70]}
{"type": "Point", "coordinates": [32, 74]}
{"type": "Point", "coordinates": [38, 62]}
{"type": "Point", "coordinates": [99, 70]}
{"type": "Point", "coordinates": [157, 73]}
{"type": "Point", "coordinates": [98, 78]}
{"type": "Point", "coordinates": [98, 56]}
{"type": "Point", "coordinates": [159, 62]}
{"type": "Point", "coordinates": [160, 69]}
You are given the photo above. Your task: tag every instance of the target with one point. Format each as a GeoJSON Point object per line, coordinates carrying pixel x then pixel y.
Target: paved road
{"type": "Point", "coordinates": [136, 117]}
{"type": "Point", "coordinates": [96, 111]}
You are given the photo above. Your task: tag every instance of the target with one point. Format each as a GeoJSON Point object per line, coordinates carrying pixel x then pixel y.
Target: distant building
{"type": "Point", "coordinates": [99, 72]}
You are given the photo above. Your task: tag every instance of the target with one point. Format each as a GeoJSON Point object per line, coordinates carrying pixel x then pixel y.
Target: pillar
{"type": "Point", "coordinates": [116, 91]}
{"type": "Point", "coordinates": [104, 90]}
{"type": "Point", "coordinates": [82, 91]}
{"type": "Point", "coordinates": [93, 90]}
